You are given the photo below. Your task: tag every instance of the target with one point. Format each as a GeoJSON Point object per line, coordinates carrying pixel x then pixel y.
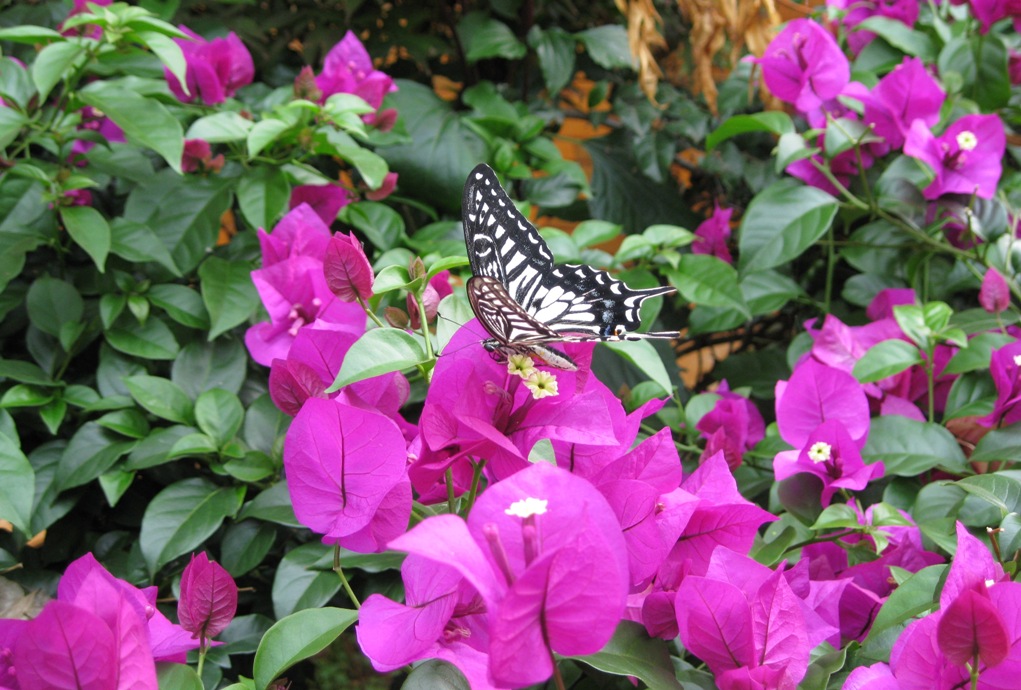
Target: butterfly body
{"type": "Point", "coordinates": [523, 299]}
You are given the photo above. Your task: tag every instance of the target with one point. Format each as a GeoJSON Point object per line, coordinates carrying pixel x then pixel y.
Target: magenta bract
{"type": "Point", "coordinates": [347, 269]}
{"type": "Point", "coordinates": [216, 68]}
{"type": "Point", "coordinates": [965, 159]}
{"type": "Point", "coordinates": [804, 65]}
{"type": "Point", "coordinates": [209, 598]}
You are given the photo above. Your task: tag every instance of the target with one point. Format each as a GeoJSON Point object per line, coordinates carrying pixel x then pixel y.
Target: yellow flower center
{"type": "Point", "coordinates": [520, 365]}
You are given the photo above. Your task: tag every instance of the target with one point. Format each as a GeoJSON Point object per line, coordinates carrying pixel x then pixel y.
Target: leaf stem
{"type": "Point", "coordinates": [343, 579]}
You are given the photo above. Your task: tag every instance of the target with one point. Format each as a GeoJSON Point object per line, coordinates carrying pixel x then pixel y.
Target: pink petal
{"type": "Point", "coordinates": [347, 269]}
{"type": "Point", "coordinates": [715, 623]}
{"type": "Point", "coordinates": [66, 647]}
{"type": "Point", "coordinates": [971, 627]}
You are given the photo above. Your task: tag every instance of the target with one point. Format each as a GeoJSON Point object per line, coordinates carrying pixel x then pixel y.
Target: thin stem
{"type": "Point", "coordinates": [343, 579]}
{"type": "Point", "coordinates": [202, 655]}
{"type": "Point", "coordinates": [473, 492]}
{"type": "Point", "coordinates": [818, 540]}
{"type": "Point", "coordinates": [425, 326]}
{"type": "Point", "coordinates": [370, 313]}
{"type": "Point", "coordinates": [844, 191]}
{"type": "Point", "coordinates": [448, 477]}
{"type": "Point", "coordinates": [558, 680]}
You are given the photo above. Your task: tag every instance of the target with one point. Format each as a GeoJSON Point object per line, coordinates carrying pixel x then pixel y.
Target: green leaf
{"type": "Point", "coordinates": [886, 358]}
{"type": "Point", "coordinates": [435, 674]}
{"type": "Point", "coordinates": [708, 281]}
{"type": "Point", "coordinates": [219, 414]}
{"type": "Point", "coordinates": [151, 340]}
{"type": "Point", "coordinates": [155, 449]}
{"type": "Point", "coordinates": [643, 355]}
{"type": "Point", "coordinates": [630, 652]}
{"type": "Point", "coordinates": [29, 34]}
{"type": "Point", "coordinates": [90, 231]}
{"type": "Point", "coordinates": [192, 445]}
{"type": "Point", "coordinates": [145, 121]}
{"type": "Point", "coordinates": [244, 545]}
{"type": "Point", "coordinates": [138, 242]}
{"type": "Point", "coordinates": [128, 422]}
{"type": "Point", "coordinates": [379, 351]}
{"type": "Point", "coordinates": [304, 579]}
{"type": "Point", "coordinates": [182, 516]}
{"type": "Point", "coordinates": [382, 225]}
{"type": "Point", "coordinates": [167, 50]}
{"type": "Point", "coordinates": [607, 45]}
{"type": "Point", "coordinates": [555, 49]}
{"type": "Point", "coordinates": [265, 133]}
{"type": "Point", "coordinates": [977, 354]}
{"type": "Point", "coordinates": [899, 35]}
{"type": "Point", "coordinates": [17, 485]}
{"type": "Point", "coordinates": [908, 447]}
{"type": "Point", "coordinates": [589, 233]}
{"type": "Point", "coordinates": [203, 366]}
{"type": "Point", "coordinates": [24, 396]}
{"type": "Point", "coordinates": [442, 150]}
{"type": "Point", "coordinates": [228, 293]}
{"type": "Point", "coordinates": [91, 452]}
{"type": "Point", "coordinates": [999, 444]}
{"type": "Point", "coordinates": [11, 122]}
{"type": "Point", "coordinates": [53, 63]}
{"type": "Point", "coordinates": [781, 222]}
{"type": "Point", "coordinates": [445, 264]}
{"type": "Point", "coordinates": [997, 489]}
{"type": "Point", "coordinates": [52, 414]}
{"type": "Point", "coordinates": [171, 676]}
{"type": "Point", "coordinates": [182, 304]}
{"type": "Point", "coordinates": [51, 303]}
{"type": "Point", "coordinates": [220, 128]}
{"type": "Point", "coordinates": [836, 515]}
{"type": "Point", "coordinates": [161, 397]}
{"type": "Point", "coordinates": [263, 193]}
{"type": "Point", "coordinates": [485, 37]}
{"type": "Point", "coordinates": [371, 166]}
{"type": "Point", "coordinates": [26, 372]}
{"type": "Point", "coordinates": [272, 505]}
{"type": "Point", "coordinates": [776, 122]}
{"type": "Point", "coordinates": [298, 637]}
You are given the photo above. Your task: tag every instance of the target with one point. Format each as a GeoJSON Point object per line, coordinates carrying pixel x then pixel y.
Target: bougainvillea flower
{"type": "Point", "coordinates": [209, 598]}
{"type": "Point", "coordinates": [1005, 368]}
{"type": "Point", "coordinates": [966, 159]}
{"type": "Point", "coordinates": [994, 296]}
{"type": "Point", "coordinates": [748, 636]}
{"type": "Point", "coordinates": [988, 12]}
{"type": "Point", "coordinates": [198, 157]}
{"type": "Point", "coordinates": [94, 121]}
{"type": "Point", "coordinates": [972, 628]}
{"type": "Point", "coordinates": [347, 268]}
{"type": "Point", "coordinates": [857, 11]}
{"type": "Point", "coordinates": [476, 408]}
{"type": "Point", "coordinates": [100, 632]}
{"type": "Point", "coordinates": [544, 551]}
{"type": "Point", "coordinates": [436, 289]}
{"type": "Point", "coordinates": [874, 677]}
{"type": "Point", "coordinates": [804, 65]}
{"type": "Point", "coordinates": [442, 617]}
{"type": "Point", "coordinates": [342, 462]}
{"type": "Point", "coordinates": [216, 69]}
{"type": "Point", "coordinates": [293, 287]}
{"type": "Point", "coordinates": [325, 199]}
{"type": "Point", "coordinates": [815, 394]}
{"type": "Point", "coordinates": [831, 455]}
{"type": "Point", "coordinates": [712, 234]}
{"type": "Point", "coordinates": [348, 69]}
{"type": "Point", "coordinates": [906, 94]}
{"type": "Point", "coordinates": [736, 423]}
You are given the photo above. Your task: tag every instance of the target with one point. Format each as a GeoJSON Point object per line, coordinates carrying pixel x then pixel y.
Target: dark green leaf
{"type": "Point", "coordinates": [23, 395]}
{"type": "Point", "coordinates": [145, 121]}
{"type": "Point", "coordinates": [272, 505]}
{"type": "Point", "coordinates": [997, 489]}
{"type": "Point", "coordinates": [297, 637]}
{"type": "Point", "coordinates": [193, 445]}
{"type": "Point", "coordinates": [304, 579]}
{"type": "Point", "coordinates": [886, 358]}
{"type": "Point", "coordinates": [632, 653]}
{"type": "Point", "coordinates": [155, 449]}
{"type": "Point", "coordinates": [607, 45]}
{"type": "Point", "coordinates": [999, 444]}
{"type": "Point", "coordinates": [244, 545]}
{"type": "Point", "coordinates": [182, 516]}
{"type": "Point", "coordinates": [17, 485]}
{"type": "Point", "coordinates": [228, 293]}
{"type": "Point", "coordinates": [161, 397]}
{"type": "Point", "coordinates": [151, 340]}
{"type": "Point", "coordinates": [202, 366]}
{"type": "Point", "coordinates": [775, 122]}
{"type": "Point", "coordinates": [91, 452]}
{"type": "Point", "coordinates": [263, 193]}
{"type": "Point", "coordinates": [555, 49]}
{"type": "Point", "coordinates": [26, 372]}
{"type": "Point", "coordinates": [978, 353]}
{"type": "Point", "coordinates": [51, 303]}
{"type": "Point", "coordinates": [11, 122]}
{"type": "Point", "coordinates": [129, 423]}
{"type": "Point", "coordinates": [899, 35]}
{"type": "Point", "coordinates": [380, 224]}
{"type": "Point", "coordinates": [371, 166]}
{"type": "Point", "coordinates": [485, 37]}
{"type": "Point", "coordinates": [908, 447]}
{"type": "Point", "coordinates": [781, 223]}
{"type": "Point", "coordinates": [137, 242]}
{"type": "Point", "coordinates": [90, 231]}
{"type": "Point", "coordinates": [182, 304]}
{"type": "Point", "coordinates": [219, 414]}
{"type": "Point", "coordinates": [644, 356]}
{"type": "Point", "coordinates": [171, 676]}
{"type": "Point", "coordinates": [379, 351]}
{"type": "Point", "coordinates": [706, 280]}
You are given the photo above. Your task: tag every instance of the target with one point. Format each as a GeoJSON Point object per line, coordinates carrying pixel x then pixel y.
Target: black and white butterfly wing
{"type": "Point", "coordinates": [577, 302]}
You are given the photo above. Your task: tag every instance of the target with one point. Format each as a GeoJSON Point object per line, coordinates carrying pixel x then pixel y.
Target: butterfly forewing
{"type": "Point", "coordinates": [571, 301]}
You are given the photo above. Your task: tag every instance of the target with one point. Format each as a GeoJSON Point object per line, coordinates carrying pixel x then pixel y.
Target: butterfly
{"type": "Point", "coordinates": [523, 299]}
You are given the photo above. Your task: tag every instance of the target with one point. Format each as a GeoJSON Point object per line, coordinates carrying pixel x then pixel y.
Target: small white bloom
{"type": "Point", "coordinates": [820, 451]}
{"type": "Point", "coordinates": [527, 507]}
{"type": "Point", "coordinates": [967, 140]}
{"type": "Point", "coordinates": [1017, 360]}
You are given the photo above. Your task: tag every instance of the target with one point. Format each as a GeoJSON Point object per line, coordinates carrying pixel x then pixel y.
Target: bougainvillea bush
{"type": "Point", "coordinates": [247, 414]}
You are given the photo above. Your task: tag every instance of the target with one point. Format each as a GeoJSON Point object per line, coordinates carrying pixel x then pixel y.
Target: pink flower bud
{"type": "Point", "coordinates": [209, 598]}
{"type": "Point", "coordinates": [347, 268]}
{"type": "Point", "coordinates": [995, 293]}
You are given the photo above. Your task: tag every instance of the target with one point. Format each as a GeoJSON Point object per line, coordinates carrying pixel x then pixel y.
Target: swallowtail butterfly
{"type": "Point", "coordinates": [523, 299]}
